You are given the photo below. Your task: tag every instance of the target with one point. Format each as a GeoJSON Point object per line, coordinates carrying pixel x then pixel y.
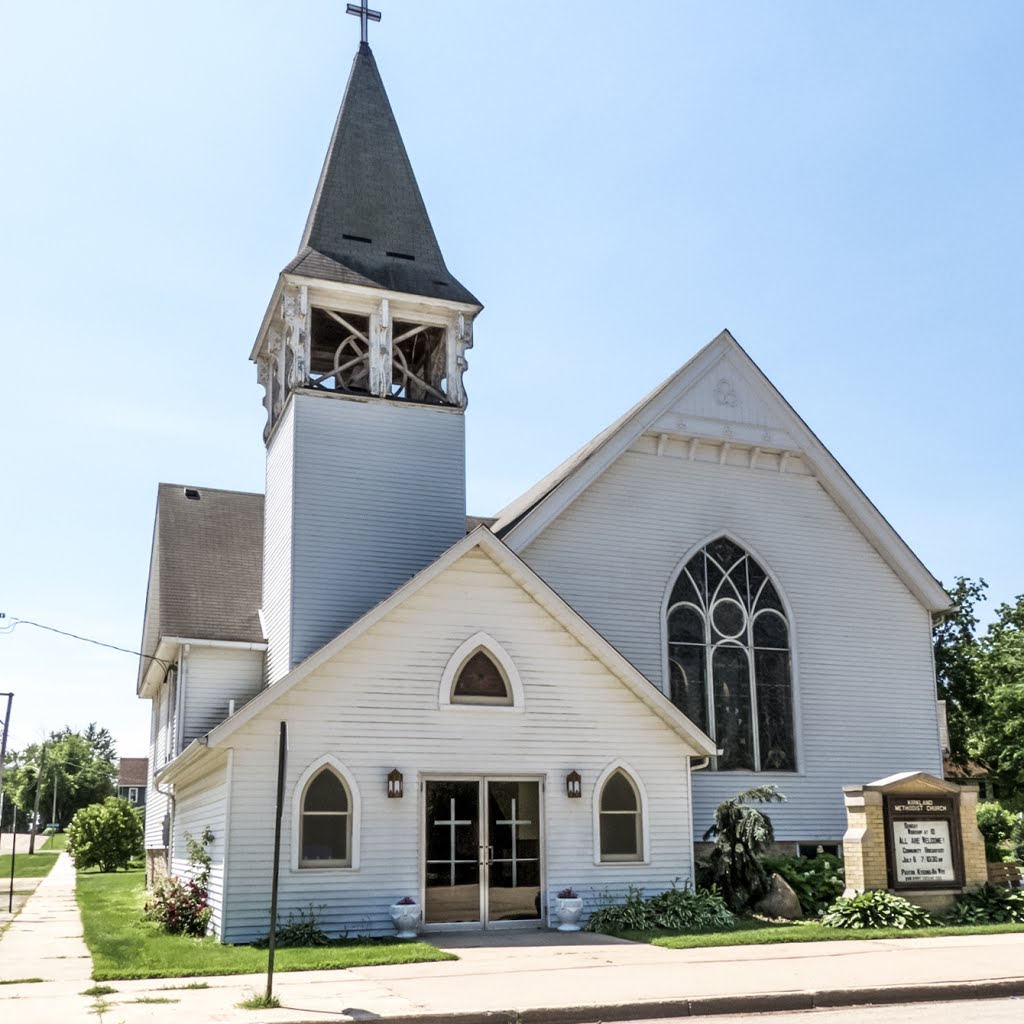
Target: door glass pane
{"type": "Point", "coordinates": [453, 852]}
{"type": "Point", "coordinates": [513, 823]}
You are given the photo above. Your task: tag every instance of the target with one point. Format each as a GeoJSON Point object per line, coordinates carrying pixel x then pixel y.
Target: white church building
{"type": "Point", "coordinates": [481, 712]}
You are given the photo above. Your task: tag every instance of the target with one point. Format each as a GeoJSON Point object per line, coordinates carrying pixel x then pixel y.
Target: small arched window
{"type": "Point", "coordinates": [480, 681]}
{"type": "Point", "coordinates": [326, 829]}
{"type": "Point", "coordinates": [729, 658]}
{"type": "Point", "coordinates": [620, 821]}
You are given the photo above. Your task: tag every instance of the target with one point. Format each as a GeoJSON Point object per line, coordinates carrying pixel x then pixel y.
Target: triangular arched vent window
{"type": "Point", "coordinates": [481, 681]}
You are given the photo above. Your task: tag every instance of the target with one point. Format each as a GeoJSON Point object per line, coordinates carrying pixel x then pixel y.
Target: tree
{"type": "Point", "coordinates": [956, 666]}
{"type": "Point", "coordinates": [742, 834]}
{"type": "Point", "coordinates": [998, 738]}
{"type": "Point", "coordinates": [107, 835]}
{"type": "Point", "coordinates": [82, 765]}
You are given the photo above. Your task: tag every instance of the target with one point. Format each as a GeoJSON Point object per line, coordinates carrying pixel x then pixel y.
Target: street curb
{"type": "Point", "coordinates": [708, 1006]}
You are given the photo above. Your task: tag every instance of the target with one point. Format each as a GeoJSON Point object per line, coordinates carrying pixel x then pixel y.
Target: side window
{"type": "Point", "coordinates": [620, 821]}
{"type": "Point", "coordinates": [326, 826]}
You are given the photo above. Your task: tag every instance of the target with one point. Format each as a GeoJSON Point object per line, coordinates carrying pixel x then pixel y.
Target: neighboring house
{"type": "Point", "coordinates": [133, 779]}
{"type": "Point", "coordinates": [481, 712]}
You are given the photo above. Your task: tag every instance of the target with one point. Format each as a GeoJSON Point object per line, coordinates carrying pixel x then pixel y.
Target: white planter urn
{"type": "Point", "coordinates": [569, 911]}
{"type": "Point", "coordinates": [406, 919]}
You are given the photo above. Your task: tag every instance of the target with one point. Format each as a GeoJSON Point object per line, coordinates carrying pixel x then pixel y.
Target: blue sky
{"type": "Point", "coordinates": [837, 184]}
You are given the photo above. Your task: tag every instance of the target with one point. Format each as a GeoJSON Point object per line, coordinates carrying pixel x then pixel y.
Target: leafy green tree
{"type": "Point", "coordinates": [996, 824]}
{"type": "Point", "coordinates": [107, 835]}
{"type": "Point", "coordinates": [998, 739]}
{"type": "Point", "coordinates": [741, 834]}
{"type": "Point", "coordinates": [956, 665]}
{"type": "Point", "coordinates": [82, 766]}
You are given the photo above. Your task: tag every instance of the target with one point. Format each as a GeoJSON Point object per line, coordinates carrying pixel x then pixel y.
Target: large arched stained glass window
{"type": "Point", "coordinates": [729, 658]}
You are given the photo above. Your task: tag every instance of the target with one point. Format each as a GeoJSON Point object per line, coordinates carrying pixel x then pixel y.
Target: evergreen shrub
{"type": "Point", "coordinates": [742, 835]}
{"type": "Point", "coordinates": [875, 909]}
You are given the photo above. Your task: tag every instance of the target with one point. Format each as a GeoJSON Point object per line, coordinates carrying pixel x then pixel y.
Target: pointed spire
{"type": "Point", "coordinates": [368, 223]}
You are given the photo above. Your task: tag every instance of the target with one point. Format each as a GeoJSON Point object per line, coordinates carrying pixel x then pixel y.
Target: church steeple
{"type": "Point", "coordinates": [368, 223]}
{"type": "Point", "coordinates": [362, 353]}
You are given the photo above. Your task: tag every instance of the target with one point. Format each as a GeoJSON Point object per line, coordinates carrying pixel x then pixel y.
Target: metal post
{"type": "Point", "coordinates": [281, 752]}
{"type": "Point", "coordinates": [14, 845]}
{"type": "Point", "coordinates": [34, 823]}
{"type": "Point", "coordinates": [3, 747]}
{"type": "Point", "coordinates": [53, 813]}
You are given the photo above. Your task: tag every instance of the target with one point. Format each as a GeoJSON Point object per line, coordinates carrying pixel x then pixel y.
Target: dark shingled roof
{"type": "Point", "coordinates": [133, 771]}
{"type": "Point", "coordinates": [206, 569]}
{"type": "Point", "coordinates": [368, 207]}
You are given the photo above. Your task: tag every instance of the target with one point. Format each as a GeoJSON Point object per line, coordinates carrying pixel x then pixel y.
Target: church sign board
{"type": "Point", "coordinates": [923, 841]}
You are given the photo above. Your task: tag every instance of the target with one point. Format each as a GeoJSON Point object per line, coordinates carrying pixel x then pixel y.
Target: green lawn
{"type": "Point", "coordinates": [57, 842]}
{"type": "Point", "coordinates": [124, 945]}
{"type": "Point", "coordinates": [751, 932]}
{"type": "Point", "coordinates": [35, 866]}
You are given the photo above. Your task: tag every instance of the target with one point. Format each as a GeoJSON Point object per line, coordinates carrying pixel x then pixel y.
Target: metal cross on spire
{"type": "Point", "coordinates": [365, 15]}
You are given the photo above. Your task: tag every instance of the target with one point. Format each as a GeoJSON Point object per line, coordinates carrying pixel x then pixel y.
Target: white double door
{"type": "Point", "coordinates": [482, 851]}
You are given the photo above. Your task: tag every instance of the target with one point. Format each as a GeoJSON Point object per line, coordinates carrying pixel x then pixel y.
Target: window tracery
{"type": "Point", "coordinates": [729, 658]}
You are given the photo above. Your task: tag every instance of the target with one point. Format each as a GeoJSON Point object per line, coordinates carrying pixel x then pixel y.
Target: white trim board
{"type": "Point", "coordinates": [519, 523]}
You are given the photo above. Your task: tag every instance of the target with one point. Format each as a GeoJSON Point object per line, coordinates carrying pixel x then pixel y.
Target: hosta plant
{"type": "Point", "coordinates": [875, 909]}
{"type": "Point", "coordinates": [991, 904]}
{"type": "Point", "coordinates": [676, 909]}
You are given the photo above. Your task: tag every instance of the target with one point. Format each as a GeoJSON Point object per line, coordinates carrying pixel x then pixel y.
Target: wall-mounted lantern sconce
{"type": "Point", "coordinates": [394, 785]}
{"type": "Point", "coordinates": [574, 785]}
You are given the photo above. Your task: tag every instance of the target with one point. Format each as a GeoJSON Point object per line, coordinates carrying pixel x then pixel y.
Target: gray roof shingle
{"type": "Point", "coordinates": [206, 569]}
{"type": "Point", "coordinates": [368, 223]}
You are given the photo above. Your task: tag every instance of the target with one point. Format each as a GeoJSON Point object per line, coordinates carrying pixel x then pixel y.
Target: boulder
{"type": "Point", "coordinates": [781, 901]}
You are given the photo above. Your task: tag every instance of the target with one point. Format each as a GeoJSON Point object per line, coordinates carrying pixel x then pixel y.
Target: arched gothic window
{"type": "Point", "coordinates": [480, 681]}
{"type": "Point", "coordinates": [621, 824]}
{"type": "Point", "coordinates": [729, 658]}
{"type": "Point", "coordinates": [326, 823]}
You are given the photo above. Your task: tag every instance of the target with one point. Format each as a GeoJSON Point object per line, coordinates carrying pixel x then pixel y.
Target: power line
{"type": "Point", "coordinates": [14, 623]}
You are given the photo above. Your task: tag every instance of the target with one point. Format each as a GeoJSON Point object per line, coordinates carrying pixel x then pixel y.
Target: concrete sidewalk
{"type": "Point", "coordinates": [536, 977]}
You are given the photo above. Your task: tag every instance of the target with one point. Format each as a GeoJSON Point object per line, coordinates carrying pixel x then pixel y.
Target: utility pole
{"type": "Point", "coordinates": [53, 813]}
{"type": "Point", "coordinates": [34, 824]}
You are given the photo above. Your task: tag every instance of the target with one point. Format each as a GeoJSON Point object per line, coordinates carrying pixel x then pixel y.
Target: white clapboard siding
{"type": "Point", "coordinates": [374, 491]}
{"type": "Point", "coordinates": [863, 671]}
{"type": "Point", "coordinates": [156, 802]}
{"type": "Point", "coordinates": [214, 676]}
{"type": "Point", "coordinates": [277, 545]}
{"type": "Point", "coordinates": [197, 806]}
{"type": "Point", "coordinates": [374, 707]}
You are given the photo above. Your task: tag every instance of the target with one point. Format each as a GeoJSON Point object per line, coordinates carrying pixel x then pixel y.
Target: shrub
{"type": "Point", "coordinates": [741, 833]}
{"type": "Point", "coordinates": [678, 909]}
{"type": "Point", "coordinates": [301, 929]}
{"type": "Point", "coordinates": [107, 835]}
{"type": "Point", "coordinates": [989, 904]}
{"type": "Point", "coordinates": [875, 909]}
{"type": "Point", "coordinates": [182, 907]}
{"type": "Point", "coordinates": [996, 824]}
{"type": "Point", "coordinates": [817, 881]}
